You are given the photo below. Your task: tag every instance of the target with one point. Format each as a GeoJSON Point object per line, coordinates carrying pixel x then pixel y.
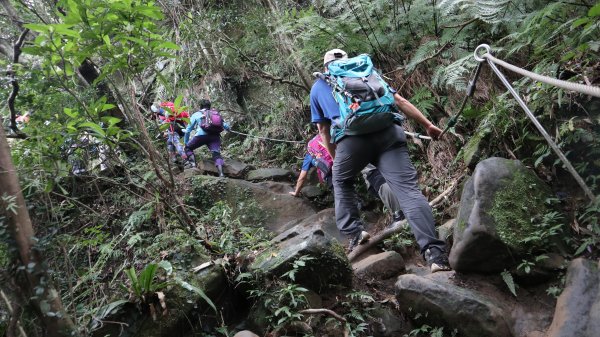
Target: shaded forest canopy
{"type": "Point", "coordinates": [87, 72]}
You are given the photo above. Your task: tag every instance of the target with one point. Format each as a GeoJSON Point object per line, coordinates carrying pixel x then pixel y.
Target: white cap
{"type": "Point", "coordinates": [334, 54]}
{"type": "Point", "coordinates": [154, 108]}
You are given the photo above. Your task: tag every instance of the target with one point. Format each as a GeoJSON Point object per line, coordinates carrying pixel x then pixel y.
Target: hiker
{"type": "Point", "coordinates": [317, 156]}
{"type": "Point", "coordinates": [207, 125]}
{"type": "Point", "coordinates": [167, 113]}
{"type": "Point", "coordinates": [364, 130]}
{"type": "Point", "coordinates": [377, 186]}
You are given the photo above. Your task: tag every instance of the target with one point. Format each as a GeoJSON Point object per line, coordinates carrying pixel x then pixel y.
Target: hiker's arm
{"type": "Point", "coordinates": [188, 130]}
{"type": "Point", "coordinates": [299, 183]}
{"type": "Point", "coordinates": [326, 137]}
{"type": "Point", "coordinates": [411, 111]}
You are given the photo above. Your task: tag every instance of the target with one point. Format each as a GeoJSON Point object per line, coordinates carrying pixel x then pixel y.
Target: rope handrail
{"type": "Point", "coordinates": [490, 60]}
{"type": "Point", "coordinates": [410, 134]}
{"type": "Point", "coordinates": [581, 88]}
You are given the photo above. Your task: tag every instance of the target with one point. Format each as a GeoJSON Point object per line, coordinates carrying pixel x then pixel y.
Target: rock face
{"type": "Point", "coordinates": [471, 313]}
{"type": "Point", "coordinates": [232, 168]}
{"type": "Point", "coordinates": [577, 312]}
{"type": "Point", "coordinates": [181, 304]}
{"type": "Point", "coordinates": [499, 206]}
{"type": "Point", "coordinates": [274, 174]}
{"type": "Point", "coordinates": [379, 266]}
{"type": "Point", "coordinates": [329, 266]}
{"type": "Point", "coordinates": [266, 204]}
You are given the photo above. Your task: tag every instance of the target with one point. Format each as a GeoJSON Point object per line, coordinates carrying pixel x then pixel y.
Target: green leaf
{"type": "Point", "coordinates": [167, 266]}
{"type": "Point", "coordinates": [177, 102]}
{"type": "Point", "coordinates": [69, 112]}
{"type": "Point", "coordinates": [37, 27]}
{"type": "Point", "coordinates": [168, 45]}
{"type": "Point", "coordinates": [197, 290]}
{"type": "Point", "coordinates": [510, 283]}
{"type": "Point", "coordinates": [111, 121]}
{"type": "Point", "coordinates": [594, 11]}
{"type": "Point", "coordinates": [580, 22]}
{"type": "Point", "coordinates": [97, 129]}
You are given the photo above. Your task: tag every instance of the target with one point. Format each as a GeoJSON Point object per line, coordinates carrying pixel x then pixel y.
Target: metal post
{"type": "Point", "coordinates": [537, 124]}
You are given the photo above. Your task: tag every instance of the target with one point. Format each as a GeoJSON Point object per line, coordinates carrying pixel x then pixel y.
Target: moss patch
{"type": "Point", "coordinates": [516, 205]}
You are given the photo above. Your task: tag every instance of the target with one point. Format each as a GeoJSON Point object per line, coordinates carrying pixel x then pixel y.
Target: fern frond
{"type": "Point", "coordinates": [489, 11]}
{"type": "Point", "coordinates": [425, 51]}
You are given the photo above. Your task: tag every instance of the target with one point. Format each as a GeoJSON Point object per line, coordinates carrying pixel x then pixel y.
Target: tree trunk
{"type": "Point", "coordinates": [12, 205]}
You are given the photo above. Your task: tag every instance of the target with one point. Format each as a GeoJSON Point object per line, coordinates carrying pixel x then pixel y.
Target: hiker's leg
{"type": "Point", "coordinates": [389, 199]}
{"type": "Point", "coordinates": [171, 146]}
{"type": "Point", "coordinates": [351, 155]}
{"type": "Point", "coordinates": [395, 165]}
{"type": "Point", "coordinates": [214, 145]}
{"type": "Point", "coordinates": [193, 144]}
{"type": "Point", "coordinates": [177, 145]}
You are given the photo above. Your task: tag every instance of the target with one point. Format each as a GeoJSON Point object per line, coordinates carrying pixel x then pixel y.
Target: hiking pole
{"type": "Point", "coordinates": [416, 135]}
{"type": "Point", "coordinates": [470, 91]}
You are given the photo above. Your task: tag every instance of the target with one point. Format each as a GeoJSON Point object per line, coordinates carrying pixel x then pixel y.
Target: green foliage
{"type": "Point", "coordinates": [282, 299]}
{"type": "Point", "coordinates": [144, 284]}
{"type": "Point", "coordinates": [509, 281]}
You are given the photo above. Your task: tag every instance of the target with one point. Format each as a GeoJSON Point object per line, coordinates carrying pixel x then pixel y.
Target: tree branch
{"type": "Point", "coordinates": [10, 72]}
{"type": "Point", "coordinates": [386, 233]}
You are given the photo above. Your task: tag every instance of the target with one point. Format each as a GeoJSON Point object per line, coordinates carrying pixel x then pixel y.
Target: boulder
{"type": "Point", "coordinates": [445, 304]}
{"type": "Point", "coordinates": [328, 268]}
{"type": "Point", "coordinates": [274, 174]}
{"type": "Point", "coordinates": [265, 204]}
{"type": "Point", "coordinates": [379, 266]}
{"type": "Point", "coordinates": [232, 168]}
{"type": "Point", "coordinates": [577, 312]}
{"type": "Point", "coordinates": [245, 333]}
{"type": "Point", "coordinates": [312, 191]}
{"type": "Point", "coordinates": [388, 322]}
{"type": "Point", "coordinates": [499, 207]}
{"type": "Point", "coordinates": [124, 318]}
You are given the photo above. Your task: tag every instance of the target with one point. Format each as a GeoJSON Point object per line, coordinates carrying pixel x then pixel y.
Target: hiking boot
{"type": "Point", "coordinates": [189, 164]}
{"type": "Point", "coordinates": [437, 260]}
{"type": "Point", "coordinates": [397, 217]}
{"type": "Point", "coordinates": [358, 239]}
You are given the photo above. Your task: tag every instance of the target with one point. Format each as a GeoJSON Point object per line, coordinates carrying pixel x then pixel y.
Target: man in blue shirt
{"type": "Point", "coordinates": [387, 150]}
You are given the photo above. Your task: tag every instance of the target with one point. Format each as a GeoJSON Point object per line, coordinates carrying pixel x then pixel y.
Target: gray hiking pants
{"type": "Point", "coordinates": [386, 150]}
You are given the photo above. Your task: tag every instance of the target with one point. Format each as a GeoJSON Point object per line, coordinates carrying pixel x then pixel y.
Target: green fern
{"type": "Point", "coordinates": [510, 283]}
{"type": "Point", "coordinates": [456, 75]}
{"type": "Point", "coordinates": [489, 11]}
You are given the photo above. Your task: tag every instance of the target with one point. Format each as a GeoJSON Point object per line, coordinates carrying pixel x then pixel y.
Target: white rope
{"type": "Point", "coordinates": [534, 120]}
{"type": "Point", "coordinates": [582, 88]}
{"type": "Point", "coordinates": [267, 138]}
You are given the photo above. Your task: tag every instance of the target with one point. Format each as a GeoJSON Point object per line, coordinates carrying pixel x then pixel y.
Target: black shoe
{"type": "Point", "coordinates": [437, 260]}
{"type": "Point", "coordinates": [398, 216]}
{"type": "Point", "coordinates": [358, 239]}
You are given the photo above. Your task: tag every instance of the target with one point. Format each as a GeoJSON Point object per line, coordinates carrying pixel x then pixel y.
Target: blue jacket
{"type": "Point", "coordinates": [194, 124]}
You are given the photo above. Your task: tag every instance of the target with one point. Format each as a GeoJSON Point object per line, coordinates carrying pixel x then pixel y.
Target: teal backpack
{"type": "Point", "coordinates": [365, 100]}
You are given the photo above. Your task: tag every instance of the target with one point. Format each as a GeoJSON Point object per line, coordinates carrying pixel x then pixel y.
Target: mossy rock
{"type": "Point", "coordinates": [328, 268]}
{"type": "Point", "coordinates": [501, 207]}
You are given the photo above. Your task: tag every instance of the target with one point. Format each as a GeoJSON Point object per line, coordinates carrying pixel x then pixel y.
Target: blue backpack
{"type": "Point", "coordinates": [365, 100]}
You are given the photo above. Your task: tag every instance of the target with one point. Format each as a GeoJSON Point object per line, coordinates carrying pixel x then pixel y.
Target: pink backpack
{"type": "Point", "coordinates": [321, 158]}
{"type": "Point", "coordinates": [212, 122]}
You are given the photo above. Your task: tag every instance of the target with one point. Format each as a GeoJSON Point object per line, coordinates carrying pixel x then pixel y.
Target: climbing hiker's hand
{"type": "Point", "coordinates": [294, 194]}
{"type": "Point", "coordinates": [433, 131]}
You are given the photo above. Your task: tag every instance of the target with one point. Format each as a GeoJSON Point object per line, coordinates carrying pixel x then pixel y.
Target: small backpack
{"type": "Point", "coordinates": [212, 121]}
{"type": "Point", "coordinates": [321, 158]}
{"type": "Point", "coordinates": [365, 100]}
